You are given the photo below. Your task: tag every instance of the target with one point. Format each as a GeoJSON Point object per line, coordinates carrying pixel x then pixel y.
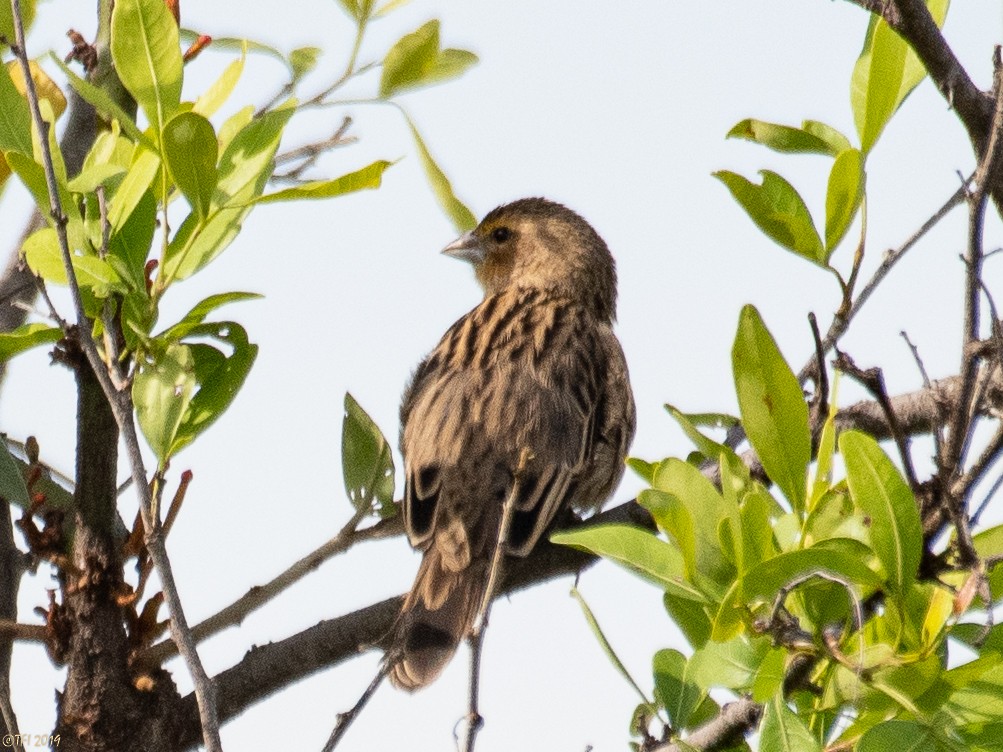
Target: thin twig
{"type": "Point", "coordinates": [12, 739]}
{"type": "Point", "coordinates": [820, 402]}
{"type": "Point", "coordinates": [960, 426]}
{"type": "Point", "coordinates": [841, 321]}
{"type": "Point", "coordinates": [873, 380]}
{"type": "Point", "coordinates": [475, 721]}
{"type": "Point", "coordinates": [996, 328]}
{"type": "Point", "coordinates": [990, 454]}
{"type": "Point", "coordinates": [111, 333]}
{"type": "Point", "coordinates": [997, 484]}
{"type": "Point", "coordinates": [259, 595]}
{"type": "Point", "coordinates": [121, 405]}
{"type": "Point", "coordinates": [345, 719]}
{"type": "Point", "coordinates": [840, 324]}
{"type": "Point", "coordinates": [310, 152]}
{"type": "Point", "coordinates": [22, 632]}
{"type": "Point", "coordinates": [938, 431]}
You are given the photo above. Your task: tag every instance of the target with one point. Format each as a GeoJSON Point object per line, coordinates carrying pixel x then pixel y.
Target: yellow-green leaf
{"type": "Point", "coordinates": [368, 177]}
{"type": "Point", "coordinates": [843, 196]}
{"type": "Point", "coordinates": [463, 219]}
{"type": "Point", "coordinates": [879, 489]}
{"type": "Point", "coordinates": [774, 412]}
{"type": "Point", "coordinates": [779, 211]}
{"type": "Point", "coordinates": [190, 150]}
{"type": "Point", "coordinates": [147, 54]}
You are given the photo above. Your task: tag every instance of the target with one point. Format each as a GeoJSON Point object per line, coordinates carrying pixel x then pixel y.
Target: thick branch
{"type": "Point", "coordinates": [728, 727]}
{"type": "Point", "coordinates": [267, 669]}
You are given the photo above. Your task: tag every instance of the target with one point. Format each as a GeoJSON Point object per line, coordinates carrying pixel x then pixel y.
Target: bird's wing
{"type": "Point", "coordinates": [466, 430]}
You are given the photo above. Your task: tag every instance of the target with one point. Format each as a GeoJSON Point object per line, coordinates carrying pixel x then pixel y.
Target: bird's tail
{"type": "Point", "coordinates": [437, 613]}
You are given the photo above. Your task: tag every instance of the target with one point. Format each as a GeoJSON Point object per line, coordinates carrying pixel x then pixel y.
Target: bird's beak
{"type": "Point", "coordinates": [467, 248]}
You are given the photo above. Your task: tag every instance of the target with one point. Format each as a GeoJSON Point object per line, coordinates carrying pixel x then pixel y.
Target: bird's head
{"type": "Point", "coordinates": [538, 243]}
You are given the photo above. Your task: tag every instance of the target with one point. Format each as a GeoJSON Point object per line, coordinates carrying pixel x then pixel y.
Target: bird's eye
{"type": "Point", "coordinates": [501, 234]}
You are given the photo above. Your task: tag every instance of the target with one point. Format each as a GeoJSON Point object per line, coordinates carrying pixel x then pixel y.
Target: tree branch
{"type": "Point", "coordinates": [267, 669]}
{"type": "Point", "coordinates": [734, 721]}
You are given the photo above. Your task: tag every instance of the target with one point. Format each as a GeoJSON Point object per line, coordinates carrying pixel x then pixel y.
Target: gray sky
{"type": "Point", "coordinates": [618, 110]}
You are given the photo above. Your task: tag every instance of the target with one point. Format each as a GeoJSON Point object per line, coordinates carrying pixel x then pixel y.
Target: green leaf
{"type": "Point", "coordinates": [352, 8]}
{"type": "Point", "coordinates": [765, 581]}
{"type": "Point", "coordinates": [56, 154]}
{"type": "Point", "coordinates": [247, 162]}
{"type": "Point", "coordinates": [130, 245]}
{"type": "Point", "coordinates": [678, 484]}
{"type": "Point", "coordinates": [461, 217]}
{"type": "Point", "coordinates": [15, 120]}
{"type": "Point", "coordinates": [147, 55]}
{"type": "Point", "coordinates": [91, 177]}
{"type": "Point", "coordinates": [901, 736]}
{"type": "Point", "coordinates": [7, 19]}
{"type": "Point", "coordinates": [824, 455]}
{"type": "Point", "coordinates": [770, 676]}
{"type": "Point", "coordinates": [215, 96]}
{"type": "Point", "coordinates": [691, 618]}
{"type": "Point", "coordinates": [989, 543]}
{"type": "Point", "coordinates": [367, 177]}
{"type": "Point", "coordinates": [162, 389]}
{"type": "Point", "coordinates": [877, 77]}
{"type": "Point", "coordinates": [12, 487]}
{"type": "Point", "coordinates": [884, 75]}
{"type": "Point", "coordinates": [45, 258]}
{"type": "Point", "coordinates": [134, 185]}
{"type": "Point", "coordinates": [219, 377]}
{"type": "Point", "coordinates": [244, 169]}
{"type": "Point", "coordinates": [366, 461]}
{"type": "Point", "coordinates": [389, 6]}
{"type": "Point", "coordinates": [646, 470]}
{"type": "Point", "coordinates": [639, 550]}
{"type": "Point", "coordinates": [25, 337]}
{"type": "Point", "coordinates": [982, 736]}
{"type": "Point", "coordinates": [110, 148]}
{"type": "Point", "coordinates": [105, 105]}
{"type": "Point", "coordinates": [675, 689]}
{"type": "Point", "coordinates": [189, 143]}
{"type": "Point", "coordinates": [707, 446]}
{"type": "Point", "coordinates": [782, 731]}
{"type": "Point", "coordinates": [773, 409]}
{"type": "Point", "coordinates": [185, 387]}
{"type": "Point", "coordinates": [837, 142]}
{"type": "Point", "coordinates": [198, 313]}
{"type": "Point", "coordinates": [415, 60]}
{"type": "Point", "coordinates": [781, 138]}
{"type": "Point", "coordinates": [234, 125]}
{"type": "Point", "coordinates": [843, 197]}
{"type": "Point", "coordinates": [732, 664]}
{"type": "Point", "coordinates": [302, 60]}
{"type": "Point", "coordinates": [605, 645]}
{"type": "Point", "coordinates": [676, 520]}
{"type": "Point", "coordinates": [757, 530]}
{"type": "Point", "coordinates": [196, 244]}
{"type": "Point", "coordinates": [879, 489]}
{"type": "Point", "coordinates": [779, 211]}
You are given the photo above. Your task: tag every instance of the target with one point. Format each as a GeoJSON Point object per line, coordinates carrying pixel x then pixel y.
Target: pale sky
{"type": "Point", "coordinates": [618, 110]}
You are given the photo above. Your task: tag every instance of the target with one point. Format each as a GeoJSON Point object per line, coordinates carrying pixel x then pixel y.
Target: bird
{"type": "Point", "coordinates": [526, 396]}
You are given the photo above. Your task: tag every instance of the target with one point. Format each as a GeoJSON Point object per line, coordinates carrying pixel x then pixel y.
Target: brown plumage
{"type": "Point", "coordinates": [536, 368]}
